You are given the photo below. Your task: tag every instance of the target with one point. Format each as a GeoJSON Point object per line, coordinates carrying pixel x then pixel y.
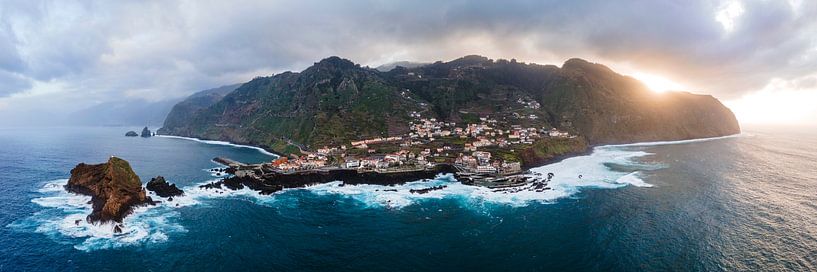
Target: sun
{"type": "Point", "coordinates": [657, 83]}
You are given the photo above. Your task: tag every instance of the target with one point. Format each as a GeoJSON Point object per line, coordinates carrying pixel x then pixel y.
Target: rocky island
{"type": "Point", "coordinates": [163, 189]}
{"type": "Point", "coordinates": [131, 134]}
{"type": "Point", "coordinates": [113, 186]}
{"type": "Point", "coordinates": [146, 133]}
{"type": "Point", "coordinates": [485, 120]}
{"type": "Point", "coordinates": [116, 190]}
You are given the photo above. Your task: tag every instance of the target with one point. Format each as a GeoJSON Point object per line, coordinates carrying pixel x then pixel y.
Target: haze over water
{"type": "Point", "coordinates": [741, 203]}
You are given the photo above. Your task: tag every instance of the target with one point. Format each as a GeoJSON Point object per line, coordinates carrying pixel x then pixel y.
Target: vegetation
{"type": "Point", "coordinates": [336, 101]}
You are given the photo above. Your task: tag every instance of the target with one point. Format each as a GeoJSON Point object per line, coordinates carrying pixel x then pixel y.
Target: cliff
{"type": "Point", "coordinates": [336, 101]}
{"type": "Point", "coordinates": [329, 103]}
{"type": "Point", "coordinates": [113, 186]}
{"type": "Point", "coordinates": [609, 108]}
{"type": "Point", "coordinates": [184, 110]}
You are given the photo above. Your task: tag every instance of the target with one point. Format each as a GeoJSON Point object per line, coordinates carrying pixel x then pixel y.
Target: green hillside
{"type": "Point", "coordinates": [336, 101]}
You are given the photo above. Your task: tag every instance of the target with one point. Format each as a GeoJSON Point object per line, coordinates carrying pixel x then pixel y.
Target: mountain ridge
{"type": "Point", "coordinates": [337, 101]}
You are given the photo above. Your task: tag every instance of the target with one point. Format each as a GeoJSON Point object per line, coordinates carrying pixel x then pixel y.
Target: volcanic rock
{"type": "Point", "coordinates": [113, 186]}
{"type": "Point", "coordinates": [146, 132]}
{"type": "Point", "coordinates": [163, 189]}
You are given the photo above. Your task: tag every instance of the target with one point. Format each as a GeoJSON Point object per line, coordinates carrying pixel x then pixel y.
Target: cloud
{"type": "Point", "coordinates": [12, 83]}
{"type": "Point", "coordinates": [153, 50]}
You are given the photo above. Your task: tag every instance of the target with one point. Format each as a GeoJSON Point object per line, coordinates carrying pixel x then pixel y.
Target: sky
{"type": "Point", "coordinates": [758, 57]}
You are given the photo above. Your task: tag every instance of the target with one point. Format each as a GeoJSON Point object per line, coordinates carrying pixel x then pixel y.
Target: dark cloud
{"type": "Point", "coordinates": [105, 50]}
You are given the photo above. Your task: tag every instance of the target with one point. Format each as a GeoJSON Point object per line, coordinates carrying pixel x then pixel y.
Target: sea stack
{"type": "Point", "coordinates": [146, 132]}
{"type": "Point", "coordinates": [162, 188]}
{"type": "Point", "coordinates": [131, 134]}
{"type": "Point", "coordinates": [113, 186]}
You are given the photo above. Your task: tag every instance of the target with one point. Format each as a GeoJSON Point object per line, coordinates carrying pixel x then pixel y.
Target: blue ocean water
{"type": "Point", "coordinates": [739, 203]}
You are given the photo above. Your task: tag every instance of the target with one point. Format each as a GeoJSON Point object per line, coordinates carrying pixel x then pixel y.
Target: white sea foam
{"type": "Point", "coordinates": [566, 182]}
{"type": "Point", "coordinates": [65, 216]}
{"type": "Point", "coordinates": [633, 179]}
{"type": "Point", "coordinates": [216, 174]}
{"type": "Point", "coordinates": [681, 141]}
{"type": "Point", "coordinates": [154, 224]}
{"type": "Point", "coordinates": [263, 151]}
{"type": "Point", "coordinates": [66, 213]}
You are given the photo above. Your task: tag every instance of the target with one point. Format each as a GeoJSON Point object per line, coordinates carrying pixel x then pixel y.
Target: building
{"type": "Point", "coordinates": [382, 164]}
{"type": "Point", "coordinates": [511, 167]}
{"type": "Point", "coordinates": [486, 169]}
{"type": "Point", "coordinates": [352, 163]}
{"type": "Point", "coordinates": [556, 133]}
{"type": "Point", "coordinates": [482, 156]}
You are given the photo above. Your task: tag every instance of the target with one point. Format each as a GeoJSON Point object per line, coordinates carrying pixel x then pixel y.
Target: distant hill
{"type": "Point", "coordinates": [142, 113]}
{"type": "Point", "coordinates": [122, 113]}
{"type": "Point", "coordinates": [336, 101]}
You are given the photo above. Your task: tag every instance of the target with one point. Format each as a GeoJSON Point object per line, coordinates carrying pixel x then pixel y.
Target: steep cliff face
{"type": "Point", "coordinates": [582, 97]}
{"type": "Point", "coordinates": [329, 103]}
{"type": "Point", "coordinates": [181, 113]}
{"type": "Point", "coordinates": [336, 101]}
{"type": "Point", "coordinates": [113, 186]}
{"type": "Point", "coordinates": [609, 108]}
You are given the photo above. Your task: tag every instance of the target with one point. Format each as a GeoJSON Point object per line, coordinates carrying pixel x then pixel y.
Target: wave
{"type": "Point", "coordinates": [214, 142]}
{"type": "Point", "coordinates": [698, 140]}
{"type": "Point", "coordinates": [63, 218]}
{"type": "Point", "coordinates": [570, 177]}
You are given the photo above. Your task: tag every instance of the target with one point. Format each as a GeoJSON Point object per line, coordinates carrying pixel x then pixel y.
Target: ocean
{"type": "Point", "coordinates": [742, 203]}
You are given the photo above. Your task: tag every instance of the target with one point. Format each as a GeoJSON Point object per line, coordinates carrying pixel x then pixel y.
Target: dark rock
{"type": "Point", "coordinates": [274, 182]}
{"type": "Point", "coordinates": [426, 190]}
{"type": "Point", "coordinates": [113, 186]}
{"type": "Point", "coordinates": [162, 188]}
{"type": "Point", "coordinates": [146, 132]}
{"type": "Point", "coordinates": [117, 229]}
{"type": "Point", "coordinates": [131, 134]}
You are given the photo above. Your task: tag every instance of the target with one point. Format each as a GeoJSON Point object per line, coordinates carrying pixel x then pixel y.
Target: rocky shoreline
{"type": "Point", "coordinates": [274, 182]}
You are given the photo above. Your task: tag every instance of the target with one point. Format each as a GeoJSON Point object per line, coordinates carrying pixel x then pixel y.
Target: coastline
{"type": "Point", "coordinates": [553, 160]}
{"type": "Point", "coordinates": [217, 142]}
{"type": "Point", "coordinates": [687, 141]}
{"type": "Point", "coordinates": [559, 158]}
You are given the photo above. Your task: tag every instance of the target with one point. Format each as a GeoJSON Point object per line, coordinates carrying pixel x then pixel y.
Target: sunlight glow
{"type": "Point", "coordinates": [789, 107]}
{"type": "Point", "coordinates": [657, 83]}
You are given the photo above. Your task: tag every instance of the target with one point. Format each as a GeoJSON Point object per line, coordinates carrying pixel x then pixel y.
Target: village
{"type": "Point", "coordinates": [430, 142]}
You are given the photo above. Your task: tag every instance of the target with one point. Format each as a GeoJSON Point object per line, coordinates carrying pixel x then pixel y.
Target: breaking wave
{"type": "Point", "coordinates": [64, 221]}
{"type": "Point", "coordinates": [213, 142]}
{"type": "Point", "coordinates": [680, 141]}
{"type": "Point", "coordinates": [570, 176]}
{"type": "Point", "coordinates": [63, 216]}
